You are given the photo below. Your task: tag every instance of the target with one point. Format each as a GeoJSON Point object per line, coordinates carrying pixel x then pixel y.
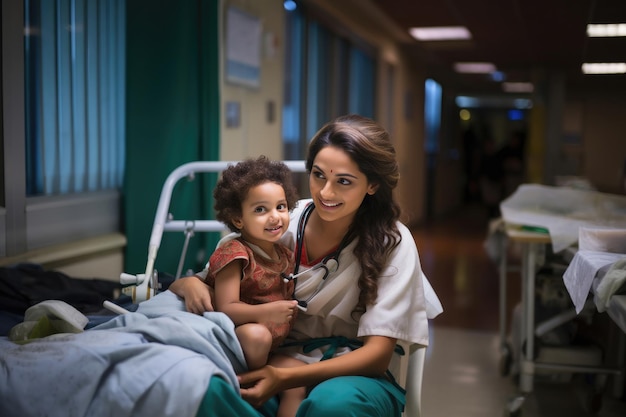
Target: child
{"type": "Point", "coordinates": [254, 198]}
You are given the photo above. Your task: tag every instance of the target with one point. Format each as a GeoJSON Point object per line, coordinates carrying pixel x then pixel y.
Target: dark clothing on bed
{"type": "Point", "coordinates": [25, 285]}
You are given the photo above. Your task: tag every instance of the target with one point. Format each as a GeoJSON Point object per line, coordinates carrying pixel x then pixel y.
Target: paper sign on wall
{"type": "Point", "coordinates": [243, 48]}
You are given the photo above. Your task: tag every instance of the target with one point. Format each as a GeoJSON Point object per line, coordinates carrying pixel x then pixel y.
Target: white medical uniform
{"type": "Point", "coordinates": [401, 309]}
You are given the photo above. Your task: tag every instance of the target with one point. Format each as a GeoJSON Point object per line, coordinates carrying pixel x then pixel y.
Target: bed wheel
{"type": "Point", "coordinates": [594, 393]}
{"type": "Point", "coordinates": [514, 407]}
{"type": "Point", "coordinates": [506, 360]}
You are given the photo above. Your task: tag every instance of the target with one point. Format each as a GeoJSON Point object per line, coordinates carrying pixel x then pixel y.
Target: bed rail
{"type": "Point", "coordinates": [143, 286]}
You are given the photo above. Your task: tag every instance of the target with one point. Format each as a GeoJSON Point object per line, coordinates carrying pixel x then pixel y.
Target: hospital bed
{"type": "Point", "coordinates": [544, 219]}
{"type": "Point", "coordinates": [146, 362]}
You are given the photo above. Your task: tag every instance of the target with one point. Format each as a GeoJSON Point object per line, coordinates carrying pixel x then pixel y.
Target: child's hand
{"type": "Point", "coordinates": [280, 311]}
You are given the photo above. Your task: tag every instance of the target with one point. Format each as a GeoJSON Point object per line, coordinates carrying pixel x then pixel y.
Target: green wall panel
{"type": "Point", "coordinates": [172, 118]}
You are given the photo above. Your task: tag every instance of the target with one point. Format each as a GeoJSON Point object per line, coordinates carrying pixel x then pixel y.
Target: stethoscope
{"type": "Point", "coordinates": [329, 264]}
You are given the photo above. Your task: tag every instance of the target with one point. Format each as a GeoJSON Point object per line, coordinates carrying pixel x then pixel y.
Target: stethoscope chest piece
{"type": "Point", "coordinates": [332, 264]}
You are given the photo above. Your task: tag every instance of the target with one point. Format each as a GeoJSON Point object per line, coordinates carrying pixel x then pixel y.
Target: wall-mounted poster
{"type": "Point", "coordinates": [243, 48]}
{"type": "Point", "coordinates": [233, 114]}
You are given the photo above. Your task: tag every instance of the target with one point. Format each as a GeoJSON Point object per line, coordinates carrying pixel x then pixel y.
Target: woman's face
{"type": "Point", "coordinates": [337, 185]}
{"type": "Point", "coordinates": [265, 215]}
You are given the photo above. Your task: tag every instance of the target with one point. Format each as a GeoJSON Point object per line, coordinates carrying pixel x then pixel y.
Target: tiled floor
{"type": "Point", "coordinates": [462, 375]}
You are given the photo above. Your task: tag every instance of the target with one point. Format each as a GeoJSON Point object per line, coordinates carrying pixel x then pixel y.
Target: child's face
{"type": "Point", "coordinates": [265, 215]}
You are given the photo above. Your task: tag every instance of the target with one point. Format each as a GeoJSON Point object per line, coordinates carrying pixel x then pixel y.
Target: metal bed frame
{"type": "Point", "coordinates": [144, 286]}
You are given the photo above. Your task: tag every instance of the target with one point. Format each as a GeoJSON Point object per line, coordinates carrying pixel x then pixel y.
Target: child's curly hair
{"type": "Point", "coordinates": [236, 180]}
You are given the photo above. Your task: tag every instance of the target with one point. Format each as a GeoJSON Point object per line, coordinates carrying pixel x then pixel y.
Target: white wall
{"type": "Point", "coordinates": [256, 135]}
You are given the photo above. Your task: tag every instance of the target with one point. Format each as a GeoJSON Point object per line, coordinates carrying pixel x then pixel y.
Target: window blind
{"type": "Point", "coordinates": [75, 106]}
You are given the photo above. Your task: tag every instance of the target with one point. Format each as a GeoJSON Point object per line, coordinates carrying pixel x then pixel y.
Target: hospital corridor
{"type": "Point", "coordinates": [121, 119]}
{"type": "Point", "coordinates": [462, 375]}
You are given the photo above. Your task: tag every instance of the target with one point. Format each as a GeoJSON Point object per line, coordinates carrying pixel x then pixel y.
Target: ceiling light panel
{"type": "Point", "coordinates": [474, 67]}
{"type": "Point", "coordinates": [512, 87]}
{"type": "Point", "coordinates": [604, 68]}
{"type": "Point", "coordinates": [606, 30]}
{"type": "Point", "coordinates": [440, 33]}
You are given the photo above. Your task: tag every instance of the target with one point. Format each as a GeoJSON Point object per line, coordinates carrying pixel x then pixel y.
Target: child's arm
{"type": "Point", "coordinates": [227, 288]}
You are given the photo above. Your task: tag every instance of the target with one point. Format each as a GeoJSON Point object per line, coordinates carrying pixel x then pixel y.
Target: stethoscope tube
{"type": "Point", "coordinates": [291, 277]}
{"type": "Point", "coordinates": [329, 264]}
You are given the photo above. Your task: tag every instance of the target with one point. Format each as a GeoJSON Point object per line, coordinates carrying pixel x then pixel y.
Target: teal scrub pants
{"type": "Point", "coordinates": [346, 396]}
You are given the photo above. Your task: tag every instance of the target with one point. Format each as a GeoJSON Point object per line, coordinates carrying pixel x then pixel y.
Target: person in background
{"type": "Point", "coordinates": [491, 178]}
{"type": "Point", "coordinates": [358, 282]}
{"type": "Point", "coordinates": [471, 164]}
{"type": "Point", "coordinates": [511, 157]}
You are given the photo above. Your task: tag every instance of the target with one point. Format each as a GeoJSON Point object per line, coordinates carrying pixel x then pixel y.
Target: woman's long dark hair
{"type": "Point", "coordinates": [374, 225]}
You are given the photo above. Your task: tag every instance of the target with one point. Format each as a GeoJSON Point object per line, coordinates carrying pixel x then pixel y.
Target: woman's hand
{"type": "Point", "coordinates": [370, 360]}
{"type": "Point", "coordinates": [260, 385]}
{"type": "Point", "coordinates": [195, 292]}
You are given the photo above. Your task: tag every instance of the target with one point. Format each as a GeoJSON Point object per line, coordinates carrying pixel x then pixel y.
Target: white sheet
{"type": "Point", "coordinates": [563, 211]}
{"type": "Point", "coordinates": [157, 361]}
{"type": "Point", "coordinates": [581, 272]}
{"type": "Point", "coordinates": [609, 284]}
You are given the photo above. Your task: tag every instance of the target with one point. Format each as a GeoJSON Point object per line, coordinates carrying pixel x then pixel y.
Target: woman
{"type": "Point", "coordinates": [359, 283]}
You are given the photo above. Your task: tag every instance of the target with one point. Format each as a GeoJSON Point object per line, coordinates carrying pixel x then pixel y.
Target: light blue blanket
{"type": "Point", "coordinates": [155, 362]}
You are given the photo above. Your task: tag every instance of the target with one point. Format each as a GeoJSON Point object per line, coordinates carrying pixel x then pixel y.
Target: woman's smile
{"type": "Point", "coordinates": [329, 205]}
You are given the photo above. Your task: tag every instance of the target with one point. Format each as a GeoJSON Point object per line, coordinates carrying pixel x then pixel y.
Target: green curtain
{"type": "Point", "coordinates": [172, 118]}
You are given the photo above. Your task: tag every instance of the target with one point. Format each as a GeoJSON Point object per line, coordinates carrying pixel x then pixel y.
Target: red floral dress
{"type": "Point", "coordinates": [261, 281]}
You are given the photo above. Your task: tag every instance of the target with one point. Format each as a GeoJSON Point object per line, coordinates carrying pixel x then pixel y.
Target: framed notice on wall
{"type": "Point", "coordinates": [243, 48]}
